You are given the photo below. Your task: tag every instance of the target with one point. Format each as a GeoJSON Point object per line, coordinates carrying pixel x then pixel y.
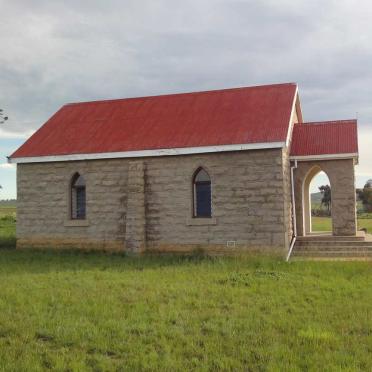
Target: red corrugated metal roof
{"type": "Point", "coordinates": [222, 117]}
{"type": "Point", "coordinates": [322, 138]}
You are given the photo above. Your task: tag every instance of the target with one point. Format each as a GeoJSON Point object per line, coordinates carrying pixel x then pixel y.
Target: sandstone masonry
{"type": "Point", "coordinates": [139, 205]}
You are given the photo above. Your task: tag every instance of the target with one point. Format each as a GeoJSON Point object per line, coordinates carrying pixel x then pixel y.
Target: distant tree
{"type": "Point", "coordinates": [326, 197]}
{"type": "Point", "coordinates": [3, 118]}
{"type": "Point", "coordinates": [365, 195]}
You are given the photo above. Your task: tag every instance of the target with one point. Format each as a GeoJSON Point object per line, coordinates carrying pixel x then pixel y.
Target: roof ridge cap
{"type": "Point", "coordinates": [211, 91]}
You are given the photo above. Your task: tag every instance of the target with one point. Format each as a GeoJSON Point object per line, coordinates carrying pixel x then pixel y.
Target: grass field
{"type": "Point", "coordinates": [325, 224]}
{"type": "Point", "coordinates": [69, 311]}
{"type": "Point", "coordinates": [8, 211]}
{"type": "Point", "coordinates": [72, 311]}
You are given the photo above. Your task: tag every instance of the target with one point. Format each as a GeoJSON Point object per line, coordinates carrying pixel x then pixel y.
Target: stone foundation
{"type": "Point", "coordinates": [81, 244]}
{"type": "Point", "coordinates": [117, 247]}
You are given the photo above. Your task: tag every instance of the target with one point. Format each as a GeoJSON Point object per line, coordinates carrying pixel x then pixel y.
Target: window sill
{"type": "Point", "coordinates": [76, 223]}
{"type": "Point", "coordinates": [200, 221]}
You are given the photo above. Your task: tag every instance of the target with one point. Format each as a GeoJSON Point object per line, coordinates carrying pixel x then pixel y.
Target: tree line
{"type": "Point", "coordinates": [365, 196]}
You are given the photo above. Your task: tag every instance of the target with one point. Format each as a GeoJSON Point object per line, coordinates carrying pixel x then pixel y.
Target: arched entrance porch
{"type": "Point", "coordinates": [342, 181]}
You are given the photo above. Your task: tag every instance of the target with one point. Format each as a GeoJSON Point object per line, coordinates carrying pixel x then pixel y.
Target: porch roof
{"type": "Point", "coordinates": [328, 139]}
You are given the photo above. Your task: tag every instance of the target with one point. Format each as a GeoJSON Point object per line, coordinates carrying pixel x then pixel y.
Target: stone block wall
{"type": "Point", "coordinates": [135, 234]}
{"type": "Point", "coordinates": [247, 202]}
{"type": "Point", "coordinates": [43, 205]}
{"type": "Point", "coordinates": [147, 204]}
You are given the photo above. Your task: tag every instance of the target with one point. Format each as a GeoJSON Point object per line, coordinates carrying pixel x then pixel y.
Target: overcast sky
{"type": "Point", "coordinates": [53, 52]}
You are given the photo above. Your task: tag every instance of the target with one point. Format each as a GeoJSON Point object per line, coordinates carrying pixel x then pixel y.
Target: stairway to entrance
{"type": "Point", "coordinates": [333, 247]}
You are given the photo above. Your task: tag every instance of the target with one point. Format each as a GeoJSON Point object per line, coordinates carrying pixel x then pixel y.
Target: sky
{"type": "Point", "coordinates": [54, 52]}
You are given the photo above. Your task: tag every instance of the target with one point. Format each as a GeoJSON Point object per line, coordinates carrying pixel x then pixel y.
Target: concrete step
{"type": "Point", "coordinates": [334, 254]}
{"type": "Point", "coordinates": [332, 249]}
{"type": "Point", "coordinates": [326, 238]}
{"type": "Point", "coordinates": [332, 246]}
{"type": "Point", "coordinates": [333, 243]}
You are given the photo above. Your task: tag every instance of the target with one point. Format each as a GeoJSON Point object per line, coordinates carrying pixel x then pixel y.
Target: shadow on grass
{"type": "Point", "coordinates": [7, 243]}
{"type": "Point", "coordinates": [41, 261]}
{"type": "Point", "coordinates": [14, 261]}
{"type": "Point", "coordinates": [33, 261]}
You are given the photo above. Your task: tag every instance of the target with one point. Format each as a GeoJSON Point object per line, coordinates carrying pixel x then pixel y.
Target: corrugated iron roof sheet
{"type": "Point", "coordinates": [222, 117]}
{"type": "Point", "coordinates": [322, 138]}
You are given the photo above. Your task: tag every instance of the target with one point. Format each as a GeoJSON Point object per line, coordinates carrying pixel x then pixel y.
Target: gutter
{"type": "Point", "coordinates": [294, 220]}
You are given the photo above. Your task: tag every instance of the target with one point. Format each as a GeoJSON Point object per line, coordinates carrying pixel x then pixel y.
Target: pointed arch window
{"type": "Point", "coordinates": [202, 194]}
{"type": "Point", "coordinates": [78, 197]}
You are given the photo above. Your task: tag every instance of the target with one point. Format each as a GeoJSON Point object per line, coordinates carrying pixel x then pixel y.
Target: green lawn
{"type": "Point", "coordinates": [325, 224]}
{"type": "Point", "coordinates": [72, 311]}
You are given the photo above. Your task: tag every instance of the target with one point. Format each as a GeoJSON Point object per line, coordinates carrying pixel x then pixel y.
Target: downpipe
{"type": "Point", "coordinates": [294, 220]}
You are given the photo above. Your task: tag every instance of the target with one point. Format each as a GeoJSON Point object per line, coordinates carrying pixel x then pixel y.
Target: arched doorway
{"type": "Point", "coordinates": [317, 202]}
{"type": "Point", "coordinates": [342, 183]}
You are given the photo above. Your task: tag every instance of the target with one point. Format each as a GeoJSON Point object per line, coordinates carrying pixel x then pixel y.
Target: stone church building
{"type": "Point", "coordinates": [223, 171]}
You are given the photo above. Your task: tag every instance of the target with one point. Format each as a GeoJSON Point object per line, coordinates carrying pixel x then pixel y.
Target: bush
{"type": "Point", "coordinates": [7, 219]}
{"type": "Point", "coordinates": [364, 215]}
{"type": "Point", "coordinates": [320, 213]}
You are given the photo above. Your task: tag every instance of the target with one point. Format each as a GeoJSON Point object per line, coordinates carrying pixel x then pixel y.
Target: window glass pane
{"type": "Point", "coordinates": [78, 198]}
{"type": "Point", "coordinates": [80, 202]}
{"type": "Point", "coordinates": [203, 199]}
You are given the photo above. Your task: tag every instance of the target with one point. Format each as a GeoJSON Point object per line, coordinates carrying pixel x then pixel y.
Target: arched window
{"type": "Point", "coordinates": [202, 194]}
{"type": "Point", "coordinates": [78, 197]}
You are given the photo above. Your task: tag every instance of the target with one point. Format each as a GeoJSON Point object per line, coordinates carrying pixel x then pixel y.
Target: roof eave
{"type": "Point", "coordinates": [339, 156]}
{"type": "Point", "coordinates": [148, 153]}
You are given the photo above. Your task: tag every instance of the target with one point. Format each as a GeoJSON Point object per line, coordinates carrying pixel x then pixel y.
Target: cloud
{"type": "Point", "coordinates": [7, 166]}
{"type": "Point", "coordinates": [9, 134]}
{"type": "Point", "coordinates": [364, 169]}
{"type": "Point", "coordinates": [55, 52]}
{"type": "Point", "coordinates": [58, 52]}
